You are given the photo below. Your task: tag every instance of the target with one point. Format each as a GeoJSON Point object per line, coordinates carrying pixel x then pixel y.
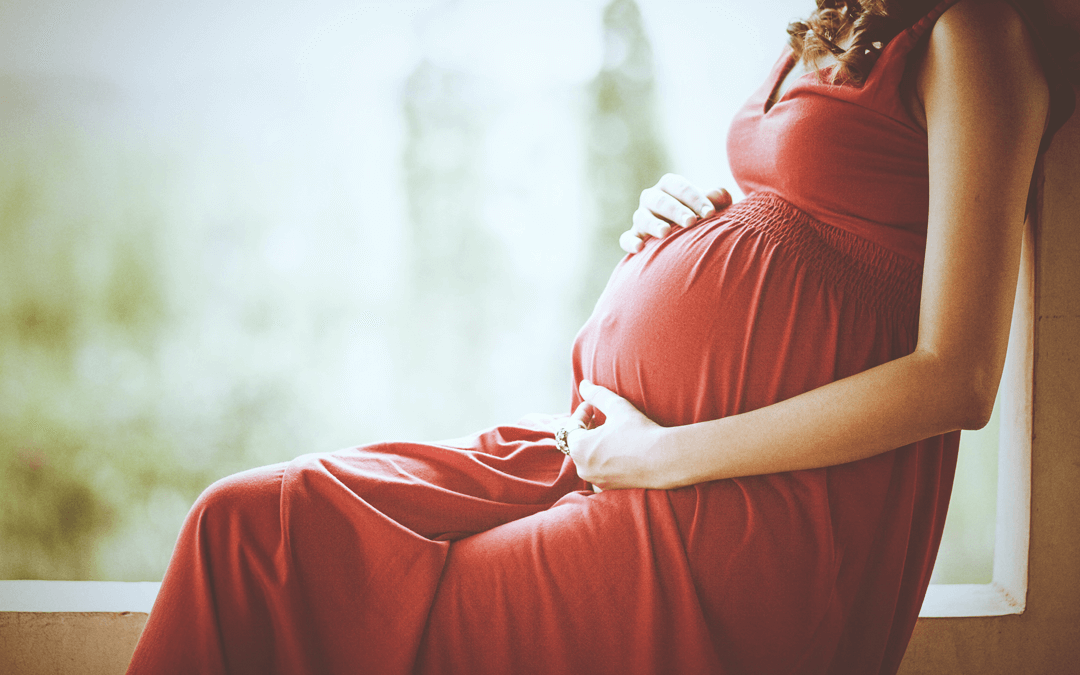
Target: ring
{"type": "Point", "coordinates": [560, 441]}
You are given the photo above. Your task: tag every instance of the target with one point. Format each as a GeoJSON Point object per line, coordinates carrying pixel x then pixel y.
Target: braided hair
{"type": "Point", "coordinates": [854, 33]}
{"type": "Point", "coordinates": [864, 27]}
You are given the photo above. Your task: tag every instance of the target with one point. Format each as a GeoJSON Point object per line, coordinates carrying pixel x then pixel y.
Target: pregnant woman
{"type": "Point", "coordinates": [765, 420]}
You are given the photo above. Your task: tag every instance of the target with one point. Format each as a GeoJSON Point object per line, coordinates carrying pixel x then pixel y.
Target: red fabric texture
{"type": "Point", "coordinates": [489, 555]}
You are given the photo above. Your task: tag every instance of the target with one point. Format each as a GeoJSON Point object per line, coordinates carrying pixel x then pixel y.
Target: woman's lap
{"type": "Point", "coordinates": [639, 581]}
{"type": "Point", "coordinates": [344, 560]}
{"type": "Point", "coordinates": [597, 583]}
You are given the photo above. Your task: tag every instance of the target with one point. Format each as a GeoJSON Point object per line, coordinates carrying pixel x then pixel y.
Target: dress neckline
{"type": "Point", "coordinates": [775, 95]}
{"type": "Point", "coordinates": [895, 49]}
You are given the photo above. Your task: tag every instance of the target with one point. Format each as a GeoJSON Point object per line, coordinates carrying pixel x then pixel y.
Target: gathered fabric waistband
{"type": "Point", "coordinates": [876, 275]}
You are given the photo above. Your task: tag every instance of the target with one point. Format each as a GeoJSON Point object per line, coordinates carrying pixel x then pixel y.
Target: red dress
{"type": "Point", "coordinates": [490, 555]}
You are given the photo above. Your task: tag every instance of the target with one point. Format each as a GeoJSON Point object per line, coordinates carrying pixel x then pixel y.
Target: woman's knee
{"type": "Point", "coordinates": [239, 498]}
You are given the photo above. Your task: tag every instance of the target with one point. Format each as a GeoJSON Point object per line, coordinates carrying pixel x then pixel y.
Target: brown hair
{"type": "Point", "coordinates": [866, 26]}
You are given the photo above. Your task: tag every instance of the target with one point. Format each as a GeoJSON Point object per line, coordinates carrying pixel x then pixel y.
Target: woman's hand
{"type": "Point", "coordinates": [672, 201]}
{"type": "Point", "coordinates": [621, 452]}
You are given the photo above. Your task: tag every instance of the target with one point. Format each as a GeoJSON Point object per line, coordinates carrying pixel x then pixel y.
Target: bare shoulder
{"type": "Point", "coordinates": [984, 44]}
{"type": "Point", "coordinates": [993, 21]}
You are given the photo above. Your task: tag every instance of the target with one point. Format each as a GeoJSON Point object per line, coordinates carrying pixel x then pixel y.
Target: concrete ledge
{"type": "Point", "coordinates": [83, 643]}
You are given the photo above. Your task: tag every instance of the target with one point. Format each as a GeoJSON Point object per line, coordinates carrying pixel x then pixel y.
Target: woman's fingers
{"type": "Point", "coordinates": [615, 453]}
{"type": "Point", "coordinates": [606, 401]}
{"type": "Point", "coordinates": [662, 204]}
{"type": "Point", "coordinates": [687, 194]}
{"type": "Point", "coordinates": [673, 201]}
{"type": "Point", "coordinates": [583, 416]}
{"type": "Point", "coordinates": [720, 198]}
{"type": "Point", "coordinates": [646, 223]}
{"type": "Point", "coordinates": [630, 242]}
{"type": "Point", "coordinates": [654, 218]}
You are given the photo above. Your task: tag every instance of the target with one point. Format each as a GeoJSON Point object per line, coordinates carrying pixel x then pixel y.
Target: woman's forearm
{"type": "Point", "coordinates": [886, 407]}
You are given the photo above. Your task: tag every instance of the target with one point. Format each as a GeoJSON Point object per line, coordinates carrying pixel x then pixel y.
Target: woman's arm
{"type": "Point", "coordinates": [986, 102]}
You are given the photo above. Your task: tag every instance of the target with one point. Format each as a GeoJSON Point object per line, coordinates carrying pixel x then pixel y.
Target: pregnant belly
{"type": "Point", "coordinates": [754, 306]}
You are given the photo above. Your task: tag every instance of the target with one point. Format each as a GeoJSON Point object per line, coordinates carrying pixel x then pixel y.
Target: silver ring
{"type": "Point", "coordinates": [560, 441]}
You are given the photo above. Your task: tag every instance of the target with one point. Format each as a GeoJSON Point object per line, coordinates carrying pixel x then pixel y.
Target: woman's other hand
{"type": "Point", "coordinates": [622, 451]}
{"type": "Point", "coordinates": [673, 201]}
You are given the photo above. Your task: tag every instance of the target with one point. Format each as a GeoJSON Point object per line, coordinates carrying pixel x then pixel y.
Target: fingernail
{"type": "Point", "coordinates": [585, 387]}
{"type": "Point", "coordinates": [708, 211]}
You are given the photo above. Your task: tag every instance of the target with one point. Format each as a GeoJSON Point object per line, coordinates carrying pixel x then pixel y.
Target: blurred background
{"type": "Point", "coordinates": [233, 233]}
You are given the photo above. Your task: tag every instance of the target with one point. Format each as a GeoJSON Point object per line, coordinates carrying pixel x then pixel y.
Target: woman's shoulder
{"type": "Point", "coordinates": [982, 49]}
{"type": "Point", "coordinates": [981, 24]}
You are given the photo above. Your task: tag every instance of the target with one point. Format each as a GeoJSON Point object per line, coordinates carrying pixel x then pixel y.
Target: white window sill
{"type": "Point", "coordinates": [942, 600]}
{"type": "Point", "coordinates": [956, 600]}
{"type": "Point", "coordinates": [77, 596]}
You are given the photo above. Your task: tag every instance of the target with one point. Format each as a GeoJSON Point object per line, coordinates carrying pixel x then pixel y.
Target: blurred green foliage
{"type": "Point", "coordinates": [78, 280]}
{"type": "Point", "coordinates": [457, 284]}
{"type": "Point", "coordinates": [625, 153]}
{"type": "Point", "coordinates": [966, 555]}
{"type": "Point", "coordinates": [100, 450]}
